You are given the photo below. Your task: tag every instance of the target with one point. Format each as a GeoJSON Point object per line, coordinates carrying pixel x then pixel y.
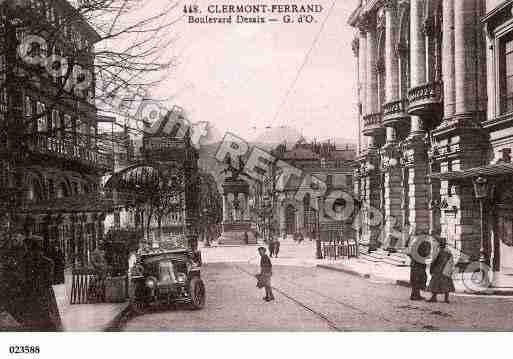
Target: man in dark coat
{"type": "Point", "coordinates": [42, 313]}
{"type": "Point", "coordinates": [441, 273]}
{"type": "Point", "coordinates": [266, 271]}
{"type": "Point", "coordinates": [419, 251]}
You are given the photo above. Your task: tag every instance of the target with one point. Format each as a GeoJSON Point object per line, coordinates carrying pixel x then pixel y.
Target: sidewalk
{"type": "Point", "coordinates": [464, 283]}
{"type": "Point", "coordinates": [87, 317]}
{"type": "Point", "coordinates": [77, 317]}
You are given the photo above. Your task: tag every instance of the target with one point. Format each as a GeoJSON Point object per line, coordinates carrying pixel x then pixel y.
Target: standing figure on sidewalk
{"type": "Point", "coordinates": [441, 273]}
{"type": "Point", "coordinates": [270, 244]}
{"type": "Point", "coordinates": [41, 311]}
{"type": "Point", "coordinates": [265, 274]}
{"type": "Point", "coordinates": [276, 246]}
{"type": "Point", "coordinates": [418, 253]}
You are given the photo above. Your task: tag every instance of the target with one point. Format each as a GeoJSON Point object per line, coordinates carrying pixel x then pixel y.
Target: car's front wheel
{"type": "Point", "coordinates": [139, 307]}
{"type": "Point", "coordinates": [197, 292]}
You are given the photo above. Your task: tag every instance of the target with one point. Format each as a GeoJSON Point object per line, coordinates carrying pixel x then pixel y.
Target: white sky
{"type": "Point", "coordinates": [235, 76]}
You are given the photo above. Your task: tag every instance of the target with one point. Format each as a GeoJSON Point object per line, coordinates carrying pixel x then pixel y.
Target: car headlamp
{"type": "Point", "coordinates": [151, 282]}
{"type": "Point", "coordinates": [181, 278]}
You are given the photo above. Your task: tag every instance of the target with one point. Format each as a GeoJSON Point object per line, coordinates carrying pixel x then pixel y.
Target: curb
{"type": "Point", "coordinates": [404, 283]}
{"type": "Point", "coordinates": [489, 292]}
{"type": "Point", "coordinates": [345, 270]}
{"type": "Point", "coordinates": [399, 282]}
{"type": "Point", "coordinates": [115, 324]}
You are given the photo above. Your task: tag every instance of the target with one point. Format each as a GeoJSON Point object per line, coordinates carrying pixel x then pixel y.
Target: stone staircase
{"type": "Point", "coordinates": [398, 259]}
{"type": "Point", "coordinates": [236, 238]}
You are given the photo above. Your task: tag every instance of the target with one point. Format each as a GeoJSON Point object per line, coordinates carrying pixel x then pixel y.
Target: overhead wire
{"type": "Point", "coordinates": [303, 64]}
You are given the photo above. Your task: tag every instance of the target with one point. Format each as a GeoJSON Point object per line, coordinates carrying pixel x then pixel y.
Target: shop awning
{"type": "Point", "coordinates": [495, 170]}
{"type": "Point", "coordinates": [134, 178]}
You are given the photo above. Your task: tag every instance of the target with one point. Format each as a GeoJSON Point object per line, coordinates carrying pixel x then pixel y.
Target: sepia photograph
{"type": "Point", "coordinates": [236, 169]}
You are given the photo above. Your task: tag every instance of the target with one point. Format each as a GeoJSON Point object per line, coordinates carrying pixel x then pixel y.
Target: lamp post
{"type": "Point", "coordinates": [318, 249]}
{"type": "Point", "coordinates": [267, 207]}
{"type": "Point", "coordinates": [481, 193]}
{"type": "Point", "coordinates": [205, 227]}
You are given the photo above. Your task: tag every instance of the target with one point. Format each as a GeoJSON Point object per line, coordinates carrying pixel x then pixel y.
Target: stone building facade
{"type": "Point", "coordinates": [56, 175]}
{"type": "Point", "coordinates": [433, 109]}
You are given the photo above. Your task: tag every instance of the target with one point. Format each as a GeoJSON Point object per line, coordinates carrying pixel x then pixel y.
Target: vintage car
{"type": "Point", "coordinates": [167, 277]}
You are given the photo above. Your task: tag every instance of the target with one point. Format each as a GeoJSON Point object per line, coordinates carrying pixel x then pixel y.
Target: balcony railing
{"type": "Point", "coordinates": [425, 99]}
{"type": "Point", "coordinates": [372, 123]}
{"type": "Point", "coordinates": [67, 150]}
{"type": "Point", "coordinates": [395, 110]}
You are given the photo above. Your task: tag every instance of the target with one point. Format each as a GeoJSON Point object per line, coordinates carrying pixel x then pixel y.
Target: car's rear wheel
{"type": "Point", "coordinates": [197, 293]}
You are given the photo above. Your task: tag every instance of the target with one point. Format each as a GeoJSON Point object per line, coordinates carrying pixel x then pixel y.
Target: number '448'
{"type": "Point", "coordinates": [188, 9]}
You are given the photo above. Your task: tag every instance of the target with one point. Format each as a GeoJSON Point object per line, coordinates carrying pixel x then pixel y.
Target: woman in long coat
{"type": "Point", "coordinates": [441, 274]}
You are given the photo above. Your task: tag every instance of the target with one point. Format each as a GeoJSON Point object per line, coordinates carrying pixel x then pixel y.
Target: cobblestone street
{"type": "Point", "coordinates": [314, 299]}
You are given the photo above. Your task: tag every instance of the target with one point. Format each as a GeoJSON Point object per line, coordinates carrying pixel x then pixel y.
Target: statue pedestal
{"type": "Point", "coordinates": [236, 220]}
{"type": "Point", "coordinates": [233, 234]}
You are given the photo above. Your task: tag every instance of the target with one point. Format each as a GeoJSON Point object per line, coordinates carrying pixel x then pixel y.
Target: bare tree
{"type": "Point", "coordinates": [95, 55]}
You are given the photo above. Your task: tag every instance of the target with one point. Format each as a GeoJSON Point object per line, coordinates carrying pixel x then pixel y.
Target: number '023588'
{"type": "Point", "coordinates": [24, 349]}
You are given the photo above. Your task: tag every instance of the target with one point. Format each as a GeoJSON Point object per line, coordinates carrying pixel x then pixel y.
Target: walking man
{"type": "Point", "coordinates": [265, 274]}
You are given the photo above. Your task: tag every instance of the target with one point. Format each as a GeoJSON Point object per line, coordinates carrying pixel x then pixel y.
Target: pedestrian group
{"type": "Point", "coordinates": [441, 270]}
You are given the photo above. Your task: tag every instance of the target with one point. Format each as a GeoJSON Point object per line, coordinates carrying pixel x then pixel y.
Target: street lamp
{"type": "Point", "coordinates": [481, 193]}
{"type": "Point", "coordinates": [267, 207]}
{"type": "Point", "coordinates": [318, 247]}
{"type": "Point", "coordinates": [205, 227]}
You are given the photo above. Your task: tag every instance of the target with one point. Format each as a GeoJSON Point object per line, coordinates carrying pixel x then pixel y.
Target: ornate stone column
{"type": "Point", "coordinates": [390, 159]}
{"type": "Point", "coordinates": [391, 202]}
{"type": "Point", "coordinates": [417, 43]}
{"type": "Point", "coordinates": [371, 75]}
{"type": "Point", "coordinates": [391, 58]}
{"type": "Point", "coordinates": [355, 46]}
{"type": "Point", "coordinates": [371, 229]}
{"type": "Point", "coordinates": [448, 66]}
{"type": "Point", "coordinates": [362, 84]}
{"type": "Point", "coordinates": [418, 188]}
{"type": "Point", "coordinates": [466, 24]}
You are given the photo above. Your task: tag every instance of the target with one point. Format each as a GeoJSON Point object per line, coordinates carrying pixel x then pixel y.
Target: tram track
{"type": "Point", "coordinates": [318, 314]}
{"type": "Point", "coordinates": [324, 317]}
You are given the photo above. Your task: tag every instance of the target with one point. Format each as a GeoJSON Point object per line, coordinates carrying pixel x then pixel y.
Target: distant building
{"type": "Point", "coordinates": [322, 160]}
